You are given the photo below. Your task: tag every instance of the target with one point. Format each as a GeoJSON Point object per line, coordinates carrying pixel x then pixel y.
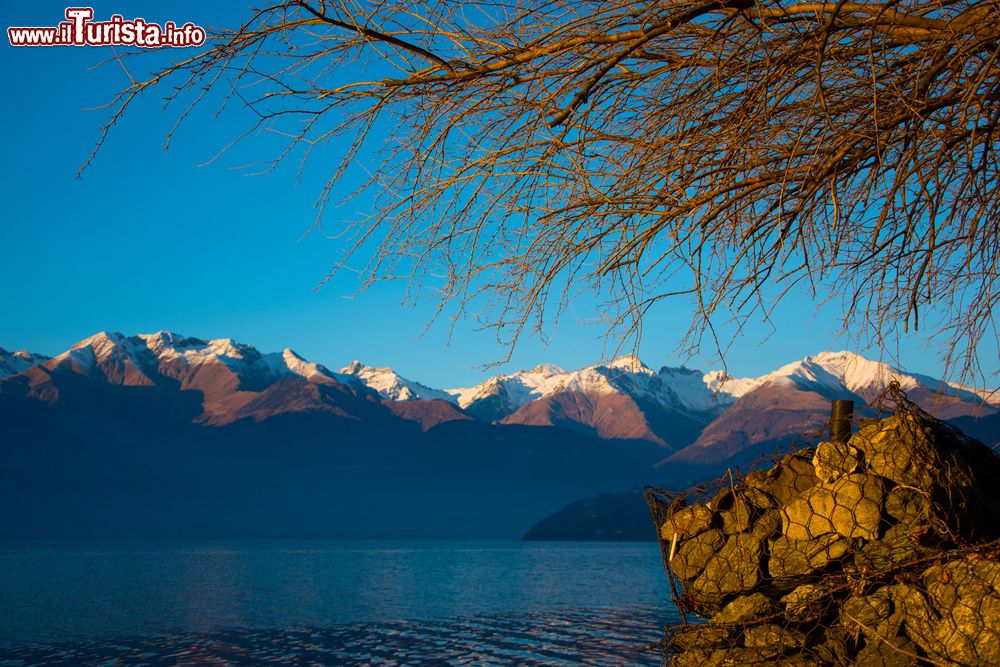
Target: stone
{"type": "Point", "coordinates": [866, 612]}
{"type": "Point", "coordinates": [893, 625]}
{"type": "Point", "coordinates": [919, 621]}
{"type": "Point", "coordinates": [758, 636]}
{"type": "Point", "coordinates": [833, 650]}
{"type": "Point", "coordinates": [805, 603]}
{"type": "Point", "coordinates": [907, 505]}
{"type": "Point", "coordinates": [687, 522]}
{"type": "Point", "coordinates": [695, 658]}
{"type": "Point", "coordinates": [858, 511]}
{"type": "Point", "coordinates": [899, 449]}
{"type": "Point", "coordinates": [962, 638]}
{"type": "Point", "coordinates": [897, 546]}
{"type": "Point", "coordinates": [793, 476]}
{"type": "Point", "coordinates": [745, 608]}
{"type": "Point", "coordinates": [735, 569]}
{"type": "Point", "coordinates": [850, 506]}
{"type": "Point", "coordinates": [968, 578]}
{"type": "Point", "coordinates": [702, 637]}
{"type": "Point", "coordinates": [767, 525]}
{"type": "Point", "coordinates": [737, 518]}
{"type": "Point", "coordinates": [808, 516]}
{"type": "Point", "coordinates": [793, 558]}
{"type": "Point", "coordinates": [834, 459]}
{"type": "Point", "coordinates": [963, 593]}
{"type": "Point", "coordinates": [723, 498]}
{"type": "Point", "coordinates": [846, 554]}
{"type": "Point", "coordinates": [730, 657]}
{"type": "Point", "coordinates": [891, 652]}
{"type": "Point", "coordinates": [800, 660]}
{"type": "Point", "coordinates": [693, 554]}
{"type": "Point", "coordinates": [756, 489]}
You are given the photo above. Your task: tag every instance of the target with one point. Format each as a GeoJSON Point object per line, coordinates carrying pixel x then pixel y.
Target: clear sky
{"type": "Point", "coordinates": [151, 239]}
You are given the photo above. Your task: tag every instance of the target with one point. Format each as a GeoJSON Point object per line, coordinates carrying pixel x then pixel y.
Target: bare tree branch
{"type": "Point", "coordinates": [729, 154]}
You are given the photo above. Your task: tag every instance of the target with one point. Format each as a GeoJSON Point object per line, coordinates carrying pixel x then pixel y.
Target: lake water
{"type": "Point", "coordinates": [331, 602]}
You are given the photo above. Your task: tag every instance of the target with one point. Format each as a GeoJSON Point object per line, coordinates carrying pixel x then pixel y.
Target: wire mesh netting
{"type": "Point", "coordinates": [879, 550]}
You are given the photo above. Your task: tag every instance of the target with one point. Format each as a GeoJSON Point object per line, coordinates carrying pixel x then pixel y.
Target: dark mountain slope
{"type": "Point", "coordinates": [301, 460]}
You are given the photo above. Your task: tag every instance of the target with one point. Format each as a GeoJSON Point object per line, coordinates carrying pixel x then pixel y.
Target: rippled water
{"type": "Point", "coordinates": [316, 602]}
{"type": "Point", "coordinates": [564, 637]}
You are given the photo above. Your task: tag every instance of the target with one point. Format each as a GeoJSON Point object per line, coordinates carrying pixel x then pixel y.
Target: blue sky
{"type": "Point", "coordinates": [151, 239]}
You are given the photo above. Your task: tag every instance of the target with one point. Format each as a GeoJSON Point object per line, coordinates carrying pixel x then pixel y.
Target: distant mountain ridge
{"type": "Point", "coordinates": [228, 374]}
{"type": "Point", "coordinates": [616, 517]}
{"type": "Point", "coordinates": [12, 363]}
{"type": "Point", "coordinates": [795, 400]}
{"type": "Point", "coordinates": [161, 434]}
{"type": "Point", "coordinates": [677, 388]}
{"type": "Point", "coordinates": [392, 386]}
{"type": "Point", "coordinates": [701, 418]}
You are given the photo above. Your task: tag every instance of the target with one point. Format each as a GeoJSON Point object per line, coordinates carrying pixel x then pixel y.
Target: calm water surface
{"type": "Point", "coordinates": [330, 602]}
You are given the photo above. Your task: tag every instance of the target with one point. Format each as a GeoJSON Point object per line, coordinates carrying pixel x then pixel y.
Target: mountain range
{"type": "Point", "coordinates": [12, 363]}
{"type": "Point", "coordinates": [165, 434]}
{"type": "Point", "coordinates": [702, 418]}
{"type": "Point", "coordinates": [699, 417]}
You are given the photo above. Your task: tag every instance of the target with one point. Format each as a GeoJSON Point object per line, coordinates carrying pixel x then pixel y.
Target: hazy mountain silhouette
{"type": "Point", "coordinates": [165, 435]}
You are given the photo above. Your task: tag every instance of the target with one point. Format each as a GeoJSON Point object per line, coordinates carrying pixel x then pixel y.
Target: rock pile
{"type": "Point", "coordinates": [881, 550]}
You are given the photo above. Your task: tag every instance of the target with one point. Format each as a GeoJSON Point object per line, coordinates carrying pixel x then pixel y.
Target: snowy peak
{"type": "Point", "coordinates": [12, 363]}
{"type": "Point", "coordinates": [795, 399]}
{"type": "Point", "coordinates": [836, 372]}
{"type": "Point", "coordinates": [511, 391]}
{"type": "Point", "coordinates": [120, 359]}
{"type": "Point", "coordinates": [547, 370]}
{"type": "Point", "coordinates": [848, 372]}
{"type": "Point", "coordinates": [840, 370]}
{"type": "Point", "coordinates": [296, 365]}
{"type": "Point", "coordinates": [677, 389]}
{"type": "Point", "coordinates": [598, 395]}
{"type": "Point", "coordinates": [230, 380]}
{"type": "Point", "coordinates": [392, 386]}
{"type": "Point", "coordinates": [166, 341]}
{"type": "Point", "coordinates": [618, 399]}
{"type": "Point", "coordinates": [694, 390]}
{"type": "Point", "coordinates": [353, 368]}
{"type": "Point", "coordinates": [628, 362]}
{"type": "Point", "coordinates": [145, 358]}
{"type": "Point", "coordinates": [724, 383]}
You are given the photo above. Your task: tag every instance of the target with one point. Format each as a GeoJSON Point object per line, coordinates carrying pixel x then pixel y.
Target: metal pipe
{"type": "Point", "coordinates": [841, 420]}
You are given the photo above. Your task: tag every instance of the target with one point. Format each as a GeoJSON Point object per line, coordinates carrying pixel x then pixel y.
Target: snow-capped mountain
{"type": "Point", "coordinates": [716, 414]}
{"type": "Point", "coordinates": [161, 435]}
{"type": "Point", "coordinates": [702, 417]}
{"type": "Point", "coordinates": [227, 374]}
{"type": "Point", "coordinates": [502, 395]}
{"type": "Point", "coordinates": [623, 399]}
{"type": "Point", "coordinates": [845, 372]}
{"type": "Point", "coordinates": [390, 385]}
{"type": "Point", "coordinates": [12, 363]}
{"type": "Point", "coordinates": [213, 437]}
{"type": "Point", "coordinates": [674, 388]}
{"type": "Point", "coordinates": [795, 400]}
{"type": "Point", "coordinates": [136, 359]}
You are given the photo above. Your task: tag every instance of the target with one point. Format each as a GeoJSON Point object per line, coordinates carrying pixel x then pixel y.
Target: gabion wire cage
{"type": "Point", "coordinates": [879, 550]}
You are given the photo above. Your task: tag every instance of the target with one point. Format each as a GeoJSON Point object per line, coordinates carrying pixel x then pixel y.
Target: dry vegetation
{"type": "Point", "coordinates": [728, 153]}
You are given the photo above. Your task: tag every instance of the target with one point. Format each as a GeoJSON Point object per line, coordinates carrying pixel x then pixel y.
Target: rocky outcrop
{"type": "Point", "coordinates": [882, 550]}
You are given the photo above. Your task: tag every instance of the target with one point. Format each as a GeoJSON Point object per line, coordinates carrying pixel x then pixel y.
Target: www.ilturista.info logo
{"type": "Point", "coordinates": [80, 30]}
